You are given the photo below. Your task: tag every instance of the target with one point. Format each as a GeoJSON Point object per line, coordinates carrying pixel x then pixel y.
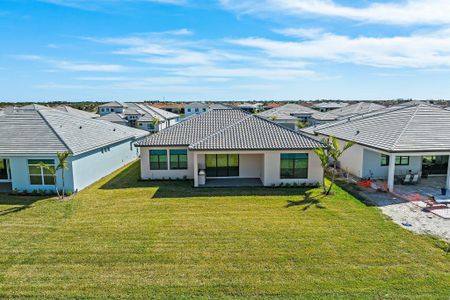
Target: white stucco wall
{"type": "Point", "coordinates": [272, 168]}
{"type": "Point", "coordinates": [92, 166]}
{"type": "Point", "coordinates": [372, 165]}
{"type": "Point", "coordinates": [352, 159]}
{"type": "Point", "coordinates": [250, 165]}
{"type": "Point", "coordinates": [147, 173]}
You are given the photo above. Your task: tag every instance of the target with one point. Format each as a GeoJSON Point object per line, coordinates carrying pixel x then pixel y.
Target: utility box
{"type": "Point", "coordinates": [201, 177]}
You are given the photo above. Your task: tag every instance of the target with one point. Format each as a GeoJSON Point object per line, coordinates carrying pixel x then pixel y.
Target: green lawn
{"type": "Point", "coordinates": [125, 238]}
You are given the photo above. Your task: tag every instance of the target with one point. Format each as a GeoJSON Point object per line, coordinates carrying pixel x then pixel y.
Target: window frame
{"type": "Point", "coordinates": [159, 162]}
{"type": "Point", "coordinates": [399, 160]}
{"type": "Point", "coordinates": [43, 174]}
{"type": "Point", "coordinates": [294, 161]}
{"type": "Point", "coordinates": [177, 167]}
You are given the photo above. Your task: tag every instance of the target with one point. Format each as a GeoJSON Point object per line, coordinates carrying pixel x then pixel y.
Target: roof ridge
{"type": "Point", "coordinates": [286, 128]}
{"type": "Point", "coordinates": [53, 129]}
{"type": "Point", "coordinates": [417, 106]}
{"type": "Point", "coordinates": [221, 130]}
{"type": "Point", "coordinates": [363, 116]}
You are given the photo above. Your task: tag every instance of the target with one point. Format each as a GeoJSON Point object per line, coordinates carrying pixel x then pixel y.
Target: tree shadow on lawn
{"type": "Point", "coordinates": [19, 202]}
{"type": "Point", "coordinates": [307, 202]}
{"type": "Point", "coordinates": [128, 178]}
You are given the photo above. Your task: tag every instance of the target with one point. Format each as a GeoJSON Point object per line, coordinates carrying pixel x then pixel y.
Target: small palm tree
{"type": "Point", "coordinates": [63, 164]}
{"type": "Point", "coordinates": [301, 124]}
{"type": "Point", "coordinates": [331, 152]}
{"type": "Point", "coordinates": [156, 121]}
{"type": "Point", "coordinates": [273, 118]}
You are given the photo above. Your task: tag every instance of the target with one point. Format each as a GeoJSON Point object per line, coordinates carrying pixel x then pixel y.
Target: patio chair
{"type": "Point", "coordinates": [415, 179]}
{"type": "Point", "coordinates": [407, 179]}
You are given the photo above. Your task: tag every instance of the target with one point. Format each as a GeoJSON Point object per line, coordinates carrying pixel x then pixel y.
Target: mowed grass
{"type": "Point", "coordinates": [122, 238]}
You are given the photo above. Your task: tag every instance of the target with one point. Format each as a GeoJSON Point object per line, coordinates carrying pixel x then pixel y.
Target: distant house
{"type": "Point", "coordinates": [31, 136]}
{"type": "Point", "coordinates": [138, 115]}
{"type": "Point", "coordinates": [176, 108]}
{"type": "Point", "coordinates": [289, 115]}
{"type": "Point", "coordinates": [195, 108]}
{"type": "Point", "coordinates": [327, 106]}
{"type": "Point", "coordinates": [393, 141]}
{"type": "Point", "coordinates": [251, 107]}
{"type": "Point", "coordinates": [230, 147]}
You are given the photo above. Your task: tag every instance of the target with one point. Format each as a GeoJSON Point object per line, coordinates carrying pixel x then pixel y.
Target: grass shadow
{"type": "Point", "coordinates": [19, 203]}
{"type": "Point", "coordinates": [307, 202]}
{"type": "Point", "coordinates": [128, 178]}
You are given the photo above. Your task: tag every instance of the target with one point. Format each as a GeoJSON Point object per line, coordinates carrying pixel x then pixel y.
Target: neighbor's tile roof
{"type": "Point", "coordinates": [113, 104]}
{"type": "Point", "coordinates": [354, 109]}
{"type": "Point", "coordinates": [229, 129]}
{"type": "Point", "coordinates": [288, 112]}
{"type": "Point", "coordinates": [405, 128]}
{"type": "Point", "coordinates": [77, 112]}
{"type": "Point", "coordinates": [113, 117]}
{"type": "Point", "coordinates": [50, 131]}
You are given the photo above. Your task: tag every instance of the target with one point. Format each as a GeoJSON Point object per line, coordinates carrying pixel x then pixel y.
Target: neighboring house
{"type": "Point", "coordinates": [138, 115]}
{"type": "Point", "coordinates": [111, 107]}
{"type": "Point", "coordinates": [327, 106]}
{"type": "Point", "coordinates": [251, 107]}
{"type": "Point", "coordinates": [77, 112]}
{"type": "Point", "coordinates": [230, 144]}
{"type": "Point", "coordinates": [176, 108]}
{"type": "Point", "coordinates": [346, 111]}
{"type": "Point", "coordinates": [393, 141]}
{"type": "Point", "coordinates": [290, 114]}
{"type": "Point", "coordinates": [195, 108]}
{"type": "Point", "coordinates": [31, 136]}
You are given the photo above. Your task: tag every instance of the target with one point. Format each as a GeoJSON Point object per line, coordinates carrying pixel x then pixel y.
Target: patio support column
{"type": "Point", "coordinates": [195, 169]}
{"type": "Point", "coordinates": [391, 172]}
{"type": "Point", "coordinates": [447, 181]}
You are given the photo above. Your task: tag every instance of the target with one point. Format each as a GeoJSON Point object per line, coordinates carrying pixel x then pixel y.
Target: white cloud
{"type": "Point", "coordinates": [414, 51]}
{"type": "Point", "coordinates": [307, 33]}
{"type": "Point", "coordinates": [73, 66]}
{"type": "Point", "coordinates": [407, 12]}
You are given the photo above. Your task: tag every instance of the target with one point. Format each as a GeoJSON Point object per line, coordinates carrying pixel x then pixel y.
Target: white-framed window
{"type": "Point", "coordinates": [40, 175]}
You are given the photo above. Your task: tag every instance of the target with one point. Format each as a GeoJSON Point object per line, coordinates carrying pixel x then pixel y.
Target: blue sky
{"type": "Point", "coordinates": [224, 49]}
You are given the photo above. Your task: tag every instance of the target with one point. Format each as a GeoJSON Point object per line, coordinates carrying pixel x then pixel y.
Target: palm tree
{"type": "Point", "coordinates": [156, 122]}
{"type": "Point", "coordinates": [62, 165]}
{"type": "Point", "coordinates": [301, 124]}
{"type": "Point", "coordinates": [332, 152]}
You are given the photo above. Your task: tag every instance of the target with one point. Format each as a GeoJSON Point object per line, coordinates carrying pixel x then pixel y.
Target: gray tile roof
{"type": "Point", "coordinates": [229, 129]}
{"type": "Point", "coordinates": [50, 131]}
{"type": "Point", "coordinates": [353, 109]}
{"type": "Point", "coordinates": [289, 112]}
{"type": "Point", "coordinates": [77, 112]}
{"type": "Point", "coordinates": [331, 105]}
{"type": "Point", "coordinates": [113, 104]}
{"type": "Point", "coordinates": [114, 118]}
{"type": "Point", "coordinates": [405, 128]}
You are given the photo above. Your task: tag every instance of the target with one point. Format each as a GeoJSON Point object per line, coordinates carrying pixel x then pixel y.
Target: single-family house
{"type": "Point", "coordinates": [138, 115]}
{"type": "Point", "coordinates": [393, 142]}
{"type": "Point", "coordinates": [289, 115]}
{"type": "Point", "coordinates": [251, 107]}
{"type": "Point", "coordinates": [233, 146]}
{"type": "Point", "coordinates": [195, 108]}
{"type": "Point", "coordinates": [327, 106]}
{"type": "Point", "coordinates": [31, 136]}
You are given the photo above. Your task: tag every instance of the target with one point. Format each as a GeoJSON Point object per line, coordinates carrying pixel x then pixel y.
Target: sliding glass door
{"type": "Point", "coordinates": [222, 165]}
{"type": "Point", "coordinates": [435, 165]}
{"type": "Point", "coordinates": [4, 170]}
